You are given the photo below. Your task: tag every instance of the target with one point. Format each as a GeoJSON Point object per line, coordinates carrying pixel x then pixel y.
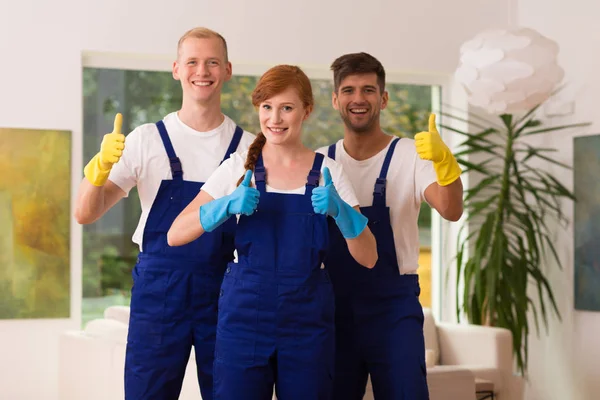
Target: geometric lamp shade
{"type": "Point", "coordinates": [508, 71]}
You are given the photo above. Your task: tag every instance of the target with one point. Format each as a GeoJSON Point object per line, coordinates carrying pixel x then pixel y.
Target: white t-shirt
{"type": "Point", "coordinates": [224, 181]}
{"type": "Point", "coordinates": [407, 179]}
{"type": "Point", "coordinates": [145, 162]}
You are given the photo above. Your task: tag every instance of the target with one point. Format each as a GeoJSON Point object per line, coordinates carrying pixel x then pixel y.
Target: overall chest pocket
{"type": "Point", "coordinates": [298, 243]}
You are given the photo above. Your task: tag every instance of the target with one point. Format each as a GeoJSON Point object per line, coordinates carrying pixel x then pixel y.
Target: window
{"type": "Point", "coordinates": [145, 96]}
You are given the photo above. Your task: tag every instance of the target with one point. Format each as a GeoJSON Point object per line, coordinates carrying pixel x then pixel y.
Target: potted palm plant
{"type": "Point", "coordinates": [512, 200]}
{"type": "Point", "coordinates": [508, 236]}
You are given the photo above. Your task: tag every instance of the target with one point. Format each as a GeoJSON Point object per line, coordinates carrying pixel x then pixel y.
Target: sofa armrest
{"type": "Point", "coordinates": [475, 345]}
{"type": "Point", "coordinates": [450, 383]}
{"type": "Point", "coordinates": [117, 313]}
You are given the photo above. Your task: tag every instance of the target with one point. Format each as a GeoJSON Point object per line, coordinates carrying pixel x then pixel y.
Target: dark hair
{"type": "Point", "coordinates": [356, 64]}
{"type": "Point", "coordinates": [273, 82]}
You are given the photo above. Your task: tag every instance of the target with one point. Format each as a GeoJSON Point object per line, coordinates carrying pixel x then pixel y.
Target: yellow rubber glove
{"type": "Point", "coordinates": [430, 146]}
{"type": "Point", "coordinates": [111, 149]}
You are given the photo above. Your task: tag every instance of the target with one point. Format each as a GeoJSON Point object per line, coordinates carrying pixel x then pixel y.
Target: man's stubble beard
{"type": "Point", "coordinates": [365, 128]}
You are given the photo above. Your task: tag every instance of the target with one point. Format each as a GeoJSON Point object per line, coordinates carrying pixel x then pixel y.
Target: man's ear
{"type": "Point", "coordinates": [229, 71]}
{"type": "Point", "coordinates": [175, 70]}
{"type": "Point", "coordinates": [384, 100]}
{"type": "Point", "coordinates": [334, 100]}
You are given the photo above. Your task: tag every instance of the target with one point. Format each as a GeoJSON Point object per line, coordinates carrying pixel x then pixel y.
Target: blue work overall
{"type": "Point", "coordinates": [379, 320]}
{"type": "Point", "coordinates": [175, 293]}
{"type": "Point", "coordinates": [276, 312]}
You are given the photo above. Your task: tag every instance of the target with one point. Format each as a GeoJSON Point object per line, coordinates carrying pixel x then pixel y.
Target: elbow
{"type": "Point", "coordinates": [175, 237]}
{"type": "Point", "coordinates": [454, 215]}
{"type": "Point", "coordinates": [172, 239]}
{"type": "Point", "coordinates": [83, 218]}
{"type": "Point", "coordinates": [369, 262]}
{"type": "Point", "coordinates": [373, 261]}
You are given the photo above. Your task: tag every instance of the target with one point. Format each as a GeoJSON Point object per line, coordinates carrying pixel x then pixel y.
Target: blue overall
{"type": "Point", "coordinates": [175, 293]}
{"type": "Point", "coordinates": [379, 320]}
{"type": "Point", "coordinates": [276, 311]}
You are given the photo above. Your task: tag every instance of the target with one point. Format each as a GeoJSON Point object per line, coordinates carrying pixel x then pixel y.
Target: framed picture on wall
{"type": "Point", "coordinates": [35, 193]}
{"type": "Point", "coordinates": [586, 164]}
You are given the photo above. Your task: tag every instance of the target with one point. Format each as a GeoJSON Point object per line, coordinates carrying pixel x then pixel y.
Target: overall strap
{"type": "Point", "coordinates": [331, 151]}
{"type": "Point", "coordinates": [314, 175]}
{"type": "Point", "coordinates": [380, 183]}
{"type": "Point", "coordinates": [260, 175]}
{"type": "Point", "coordinates": [176, 169]}
{"type": "Point", "coordinates": [235, 141]}
{"type": "Point", "coordinates": [312, 181]}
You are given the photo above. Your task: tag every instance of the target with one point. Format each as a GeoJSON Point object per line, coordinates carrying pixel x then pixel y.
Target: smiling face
{"type": "Point", "coordinates": [202, 68]}
{"type": "Point", "coordinates": [360, 101]}
{"type": "Point", "coordinates": [281, 117]}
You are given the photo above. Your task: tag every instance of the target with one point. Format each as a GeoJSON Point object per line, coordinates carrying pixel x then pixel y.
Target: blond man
{"type": "Point", "coordinates": [175, 289]}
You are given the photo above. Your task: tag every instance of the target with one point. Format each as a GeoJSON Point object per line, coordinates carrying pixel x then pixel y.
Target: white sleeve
{"type": "Point", "coordinates": [340, 181]}
{"type": "Point", "coordinates": [224, 180]}
{"type": "Point", "coordinates": [126, 171]}
{"type": "Point", "coordinates": [424, 176]}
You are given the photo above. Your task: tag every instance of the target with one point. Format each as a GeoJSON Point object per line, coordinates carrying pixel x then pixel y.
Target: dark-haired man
{"type": "Point", "coordinates": [379, 320]}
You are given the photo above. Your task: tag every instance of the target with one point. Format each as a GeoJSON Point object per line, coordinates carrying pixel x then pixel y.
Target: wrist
{"type": "Point", "coordinates": [350, 221]}
{"type": "Point", "coordinates": [104, 166]}
{"type": "Point", "coordinates": [214, 213]}
{"type": "Point", "coordinates": [447, 170]}
{"type": "Point", "coordinates": [95, 173]}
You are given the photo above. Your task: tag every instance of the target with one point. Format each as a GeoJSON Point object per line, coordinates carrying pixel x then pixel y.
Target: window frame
{"type": "Point", "coordinates": [444, 91]}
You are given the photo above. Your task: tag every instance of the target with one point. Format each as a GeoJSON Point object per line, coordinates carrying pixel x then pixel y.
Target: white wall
{"type": "Point", "coordinates": [566, 363]}
{"type": "Point", "coordinates": [41, 44]}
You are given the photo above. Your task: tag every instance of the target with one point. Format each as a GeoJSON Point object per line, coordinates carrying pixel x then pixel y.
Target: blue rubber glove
{"type": "Point", "coordinates": [243, 200]}
{"type": "Point", "coordinates": [326, 200]}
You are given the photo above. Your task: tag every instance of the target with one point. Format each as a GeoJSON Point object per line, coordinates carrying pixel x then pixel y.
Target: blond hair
{"type": "Point", "coordinates": [203, 33]}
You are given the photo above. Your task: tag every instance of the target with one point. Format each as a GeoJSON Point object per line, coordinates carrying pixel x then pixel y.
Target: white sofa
{"type": "Point", "coordinates": [485, 351]}
{"type": "Point", "coordinates": [92, 361]}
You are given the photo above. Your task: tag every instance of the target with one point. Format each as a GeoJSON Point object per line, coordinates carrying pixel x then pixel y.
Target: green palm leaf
{"type": "Point", "coordinates": [508, 237]}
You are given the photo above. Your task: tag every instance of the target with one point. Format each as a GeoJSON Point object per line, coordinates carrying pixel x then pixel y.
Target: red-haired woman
{"type": "Point", "coordinates": [276, 311]}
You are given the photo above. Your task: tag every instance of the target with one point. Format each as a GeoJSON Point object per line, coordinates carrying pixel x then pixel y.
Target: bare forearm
{"type": "Point", "coordinates": [451, 200]}
{"type": "Point", "coordinates": [186, 228]}
{"type": "Point", "coordinates": [90, 203]}
{"type": "Point", "coordinates": [363, 248]}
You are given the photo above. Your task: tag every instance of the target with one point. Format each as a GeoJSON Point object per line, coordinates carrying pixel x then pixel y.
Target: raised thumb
{"type": "Point", "coordinates": [117, 125]}
{"type": "Point", "coordinates": [432, 127]}
{"type": "Point", "coordinates": [327, 176]}
{"type": "Point", "coordinates": [247, 179]}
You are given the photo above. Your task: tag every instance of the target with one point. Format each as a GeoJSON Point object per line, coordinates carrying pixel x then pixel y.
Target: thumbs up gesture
{"type": "Point", "coordinates": [430, 146]}
{"type": "Point", "coordinates": [111, 150]}
{"type": "Point", "coordinates": [325, 199]}
{"type": "Point", "coordinates": [112, 145]}
{"type": "Point", "coordinates": [244, 198]}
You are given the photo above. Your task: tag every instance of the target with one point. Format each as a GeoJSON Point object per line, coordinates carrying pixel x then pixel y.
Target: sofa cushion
{"type": "Point", "coordinates": [107, 329]}
{"type": "Point", "coordinates": [118, 313]}
{"type": "Point", "coordinates": [430, 358]}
